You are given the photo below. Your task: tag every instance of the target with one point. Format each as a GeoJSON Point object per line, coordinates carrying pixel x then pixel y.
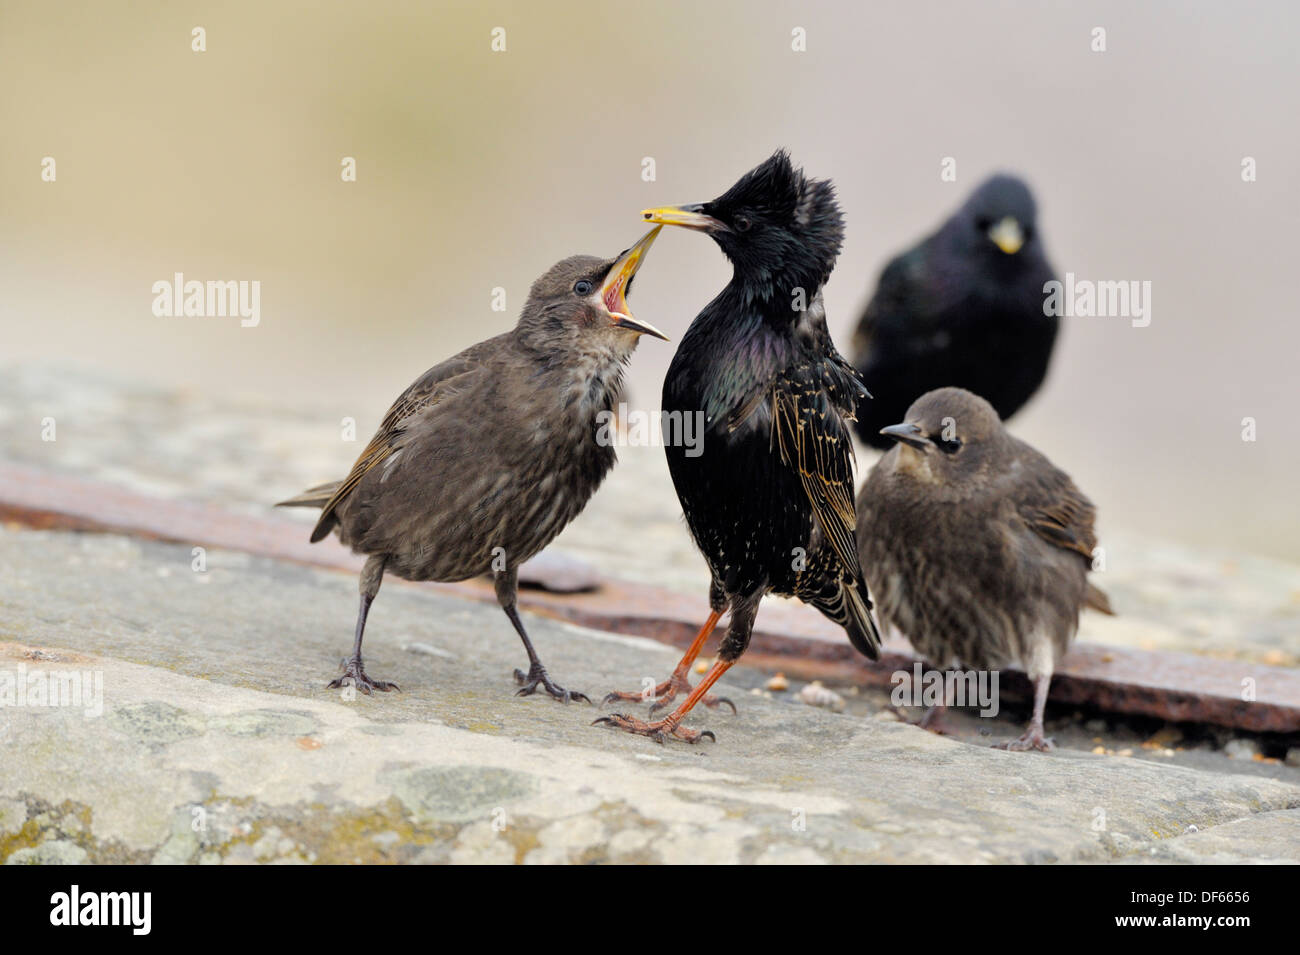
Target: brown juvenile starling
{"type": "Point", "coordinates": [962, 308]}
{"type": "Point", "coordinates": [768, 496]}
{"type": "Point", "coordinates": [977, 547]}
{"type": "Point", "coordinates": [486, 457]}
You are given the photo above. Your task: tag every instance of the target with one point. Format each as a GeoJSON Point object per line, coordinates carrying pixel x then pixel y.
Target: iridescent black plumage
{"type": "Point", "coordinates": [770, 500]}
{"type": "Point", "coordinates": [962, 308]}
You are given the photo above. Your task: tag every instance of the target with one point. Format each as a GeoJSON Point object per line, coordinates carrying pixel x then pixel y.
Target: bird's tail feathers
{"type": "Point", "coordinates": [843, 599]}
{"type": "Point", "coordinates": [861, 626]}
{"type": "Point", "coordinates": [312, 497]}
{"type": "Point", "coordinates": [1096, 599]}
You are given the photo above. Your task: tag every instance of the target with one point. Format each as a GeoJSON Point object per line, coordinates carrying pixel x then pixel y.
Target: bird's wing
{"type": "Point", "coordinates": [432, 388]}
{"type": "Point", "coordinates": [919, 294]}
{"type": "Point", "coordinates": [896, 294]}
{"type": "Point", "coordinates": [810, 404]}
{"type": "Point", "coordinates": [1057, 511]}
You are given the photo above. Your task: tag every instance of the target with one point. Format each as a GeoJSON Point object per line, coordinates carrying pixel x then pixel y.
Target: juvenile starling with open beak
{"type": "Point", "coordinates": [769, 500]}
{"type": "Point", "coordinates": [962, 308]}
{"type": "Point", "coordinates": [487, 456]}
{"type": "Point", "coordinates": [976, 546]}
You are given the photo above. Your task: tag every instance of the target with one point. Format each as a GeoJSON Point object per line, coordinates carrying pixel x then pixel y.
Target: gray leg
{"type": "Point", "coordinates": [1033, 737]}
{"type": "Point", "coordinates": [507, 584]}
{"type": "Point", "coordinates": [354, 672]}
{"type": "Point", "coordinates": [933, 719]}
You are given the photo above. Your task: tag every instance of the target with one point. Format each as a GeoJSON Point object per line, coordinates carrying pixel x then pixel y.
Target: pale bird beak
{"type": "Point", "coordinates": [1007, 235]}
{"type": "Point", "coordinates": [612, 292]}
{"type": "Point", "coordinates": [688, 217]}
{"type": "Point", "coordinates": [908, 434]}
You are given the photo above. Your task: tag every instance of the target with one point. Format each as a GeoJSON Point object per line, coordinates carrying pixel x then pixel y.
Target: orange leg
{"type": "Point", "coordinates": [666, 692]}
{"type": "Point", "coordinates": [670, 725]}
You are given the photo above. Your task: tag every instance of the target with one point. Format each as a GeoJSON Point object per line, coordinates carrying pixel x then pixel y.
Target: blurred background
{"type": "Point", "coordinates": [478, 170]}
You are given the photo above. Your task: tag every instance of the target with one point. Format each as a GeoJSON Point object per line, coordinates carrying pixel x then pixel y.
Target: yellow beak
{"type": "Point", "coordinates": [613, 291]}
{"type": "Point", "coordinates": [688, 217]}
{"type": "Point", "coordinates": [1007, 235]}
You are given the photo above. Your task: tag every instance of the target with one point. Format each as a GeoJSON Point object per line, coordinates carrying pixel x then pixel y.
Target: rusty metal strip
{"type": "Point", "coordinates": [1172, 686]}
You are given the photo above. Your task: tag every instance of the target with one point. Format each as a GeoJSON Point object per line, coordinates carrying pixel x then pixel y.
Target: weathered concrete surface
{"type": "Point", "coordinates": [1263, 837]}
{"type": "Point", "coordinates": [219, 743]}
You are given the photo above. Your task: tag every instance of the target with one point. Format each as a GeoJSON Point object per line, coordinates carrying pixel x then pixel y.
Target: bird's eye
{"type": "Point", "coordinates": [742, 223]}
{"type": "Point", "coordinates": [983, 223]}
{"type": "Point", "coordinates": [582, 287]}
{"type": "Point", "coordinates": [948, 445]}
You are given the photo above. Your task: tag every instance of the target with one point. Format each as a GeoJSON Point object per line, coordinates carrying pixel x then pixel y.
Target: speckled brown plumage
{"type": "Point", "coordinates": [976, 546]}
{"type": "Point", "coordinates": [488, 456]}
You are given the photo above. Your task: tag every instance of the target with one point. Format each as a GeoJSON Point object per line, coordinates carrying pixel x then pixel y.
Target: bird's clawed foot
{"type": "Point", "coordinates": [659, 731]}
{"type": "Point", "coordinates": [665, 693]}
{"type": "Point", "coordinates": [1033, 738]}
{"type": "Point", "coordinates": [537, 676]}
{"type": "Point", "coordinates": [354, 674]}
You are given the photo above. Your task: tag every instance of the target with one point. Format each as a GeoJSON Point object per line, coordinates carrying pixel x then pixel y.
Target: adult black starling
{"type": "Point", "coordinates": [486, 457]}
{"type": "Point", "coordinates": [963, 308]}
{"type": "Point", "coordinates": [769, 500]}
{"type": "Point", "coordinates": [977, 547]}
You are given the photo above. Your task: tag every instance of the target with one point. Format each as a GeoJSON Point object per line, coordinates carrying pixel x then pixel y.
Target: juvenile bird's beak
{"type": "Point", "coordinates": [613, 291]}
{"type": "Point", "coordinates": [1007, 235]}
{"type": "Point", "coordinates": [688, 217]}
{"type": "Point", "coordinates": [908, 434]}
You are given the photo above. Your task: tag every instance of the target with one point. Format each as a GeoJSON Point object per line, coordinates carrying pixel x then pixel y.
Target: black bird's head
{"type": "Point", "coordinates": [581, 303]}
{"type": "Point", "coordinates": [999, 219]}
{"type": "Point", "coordinates": [780, 229]}
{"type": "Point", "coordinates": [951, 438]}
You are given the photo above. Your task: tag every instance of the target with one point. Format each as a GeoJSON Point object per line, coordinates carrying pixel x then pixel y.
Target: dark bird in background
{"type": "Point", "coordinates": [964, 308]}
{"type": "Point", "coordinates": [486, 457]}
{"type": "Point", "coordinates": [769, 500]}
{"type": "Point", "coordinates": [977, 547]}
